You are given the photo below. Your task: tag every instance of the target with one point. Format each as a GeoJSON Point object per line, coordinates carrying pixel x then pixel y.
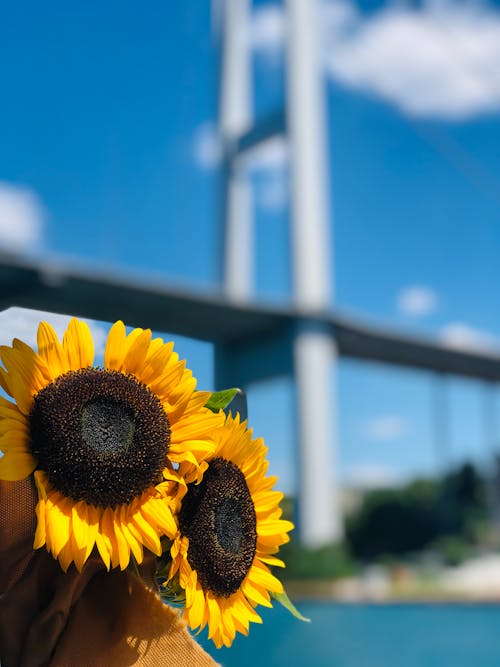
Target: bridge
{"type": "Point", "coordinates": [253, 341]}
{"type": "Point", "coordinates": [101, 294]}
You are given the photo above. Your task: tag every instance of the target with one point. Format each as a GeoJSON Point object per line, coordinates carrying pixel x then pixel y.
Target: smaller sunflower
{"type": "Point", "coordinates": [230, 527]}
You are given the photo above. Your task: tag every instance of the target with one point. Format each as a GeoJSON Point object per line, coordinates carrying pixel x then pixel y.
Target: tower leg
{"type": "Point", "coordinates": [238, 260]}
{"type": "Point", "coordinates": [315, 358]}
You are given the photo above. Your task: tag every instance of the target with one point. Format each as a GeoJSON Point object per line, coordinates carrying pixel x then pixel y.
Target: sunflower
{"type": "Point", "coordinates": [230, 527]}
{"type": "Point", "coordinates": [103, 443]}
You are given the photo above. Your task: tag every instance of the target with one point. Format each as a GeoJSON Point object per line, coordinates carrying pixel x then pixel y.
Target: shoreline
{"type": "Point", "coordinates": [438, 601]}
{"type": "Point", "coordinates": [476, 581]}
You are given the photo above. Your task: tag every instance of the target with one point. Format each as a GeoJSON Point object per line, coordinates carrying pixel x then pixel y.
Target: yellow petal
{"type": "Point", "coordinates": [57, 518]}
{"type": "Point", "coordinates": [21, 394]}
{"type": "Point", "coordinates": [214, 615]}
{"type": "Point", "coordinates": [157, 360]}
{"type": "Point", "coordinates": [266, 500]}
{"type": "Point", "coordinates": [240, 627]}
{"type": "Point", "coordinates": [39, 540]}
{"type": "Point", "coordinates": [259, 574]}
{"type": "Point", "coordinates": [195, 427]}
{"type": "Point", "coordinates": [255, 593]}
{"type": "Point", "coordinates": [115, 347]}
{"type": "Point", "coordinates": [166, 382]}
{"type": "Point", "coordinates": [265, 528]}
{"type": "Point", "coordinates": [77, 555]}
{"type": "Point", "coordinates": [158, 512]}
{"type": "Point", "coordinates": [93, 516]}
{"type": "Point", "coordinates": [104, 548]}
{"type": "Point", "coordinates": [150, 538]}
{"type": "Point", "coordinates": [41, 484]}
{"type": "Point", "coordinates": [123, 546]}
{"type": "Point", "coordinates": [228, 629]}
{"type": "Point", "coordinates": [197, 608]}
{"type": "Point", "coordinates": [271, 560]}
{"type": "Point", "coordinates": [51, 350]}
{"type": "Point", "coordinates": [245, 611]}
{"type": "Point", "coordinates": [10, 410]}
{"type": "Point", "coordinates": [14, 440]}
{"type": "Point", "coordinates": [108, 529]}
{"type": "Point", "coordinates": [27, 374]}
{"type": "Point", "coordinates": [79, 525]}
{"type": "Point", "coordinates": [65, 557]}
{"type": "Point", "coordinates": [5, 382]}
{"type": "Point", "coordinates": [156, 344]}
{"type": "Point", "coordinates": [78, 344]}
{"type": "Point", "coordinates": [136, 354]}
{"type": "Point", "coordinates": [16, 465]}
{"type": "Point", "coordinates": [134, 544]}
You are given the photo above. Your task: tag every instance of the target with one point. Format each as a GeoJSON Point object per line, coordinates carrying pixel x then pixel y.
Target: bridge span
{"type": "Point", "coordinates": [252, 341]}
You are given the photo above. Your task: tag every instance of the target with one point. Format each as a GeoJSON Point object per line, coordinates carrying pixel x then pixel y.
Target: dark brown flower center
{"type": "Point", "coordinates": [218, 517]}
{"type": "Point", "coordinates": [100, 436]}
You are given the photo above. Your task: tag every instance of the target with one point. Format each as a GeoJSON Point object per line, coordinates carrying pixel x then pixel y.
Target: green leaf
{"type": "Point", "coordinates": [285, 601]}
{"type": "Point", "coordinates": [219, 400]}
{"type": "Point", "coordinates": [171, 592]}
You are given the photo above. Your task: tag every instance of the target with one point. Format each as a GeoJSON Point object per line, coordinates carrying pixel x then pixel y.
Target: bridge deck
{"type": "Point", "coordinates": [103, 295]}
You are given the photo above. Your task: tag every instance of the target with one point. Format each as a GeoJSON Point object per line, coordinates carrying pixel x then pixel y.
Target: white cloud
{"type": "Point", "coordinates": [269, 160]}
{"type": "Point", "coordinates": [438, 59]}
{"type": "Point", "coordinates": [385, 428]}
{"type": "Point", "coordinates": [432, 60]}
{"type": "Point", "coordinates": [207, 149]}
{"type": "Point", "coordinates": [272, 154]}
{"type": "Point", "coordinates": [462, 336]}
{"type": "Point", "coordinates": [267, 30]}
{"type": "Point", "coordinates": [22, 323]}
{"type": "Point", "coordinates": [370, 476]}
{"type": "Point", "coordinates": [417, 300]}
{"type": "Point", "coordinates": [21, 218]}
{"type": "Point", "coordinates": [207, 146]}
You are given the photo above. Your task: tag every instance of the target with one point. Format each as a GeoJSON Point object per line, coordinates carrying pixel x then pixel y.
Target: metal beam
{"type": "Point", "coordinates": [106, 295]}
{"type": "Point", "coordinates": [363, 341]}
{"type": "Point", "coordinates": [265, 130]}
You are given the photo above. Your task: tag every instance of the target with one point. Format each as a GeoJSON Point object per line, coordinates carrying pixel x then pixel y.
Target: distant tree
{"type": "Point", "coordinates": [409, 518]}
{"type": "Point", "coordinates": [462, 501]}
{"type": "Point", "coordinates": [328, 562]}
{"type": "Point", "coordinates": [394, 521]}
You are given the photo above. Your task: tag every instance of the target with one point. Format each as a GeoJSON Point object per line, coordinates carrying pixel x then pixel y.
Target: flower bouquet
{"type": "Point", "coordinates": [121, 485]}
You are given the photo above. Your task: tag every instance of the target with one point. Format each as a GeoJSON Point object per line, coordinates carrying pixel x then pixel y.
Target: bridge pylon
{"type": "Point", "coordinates": [305, 350]}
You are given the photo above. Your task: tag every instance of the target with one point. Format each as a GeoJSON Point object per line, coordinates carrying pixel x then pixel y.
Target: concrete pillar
{"type": "Point", "coordinates": [314, 351]}
{"type": "Point", "coordinates": [235, 119]}
{"type": "Point", "coordinates": [319, 515]}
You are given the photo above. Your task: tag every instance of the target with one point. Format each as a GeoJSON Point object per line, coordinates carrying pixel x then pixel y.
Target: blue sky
{"type": "Point", "coordinates": [108, 154]}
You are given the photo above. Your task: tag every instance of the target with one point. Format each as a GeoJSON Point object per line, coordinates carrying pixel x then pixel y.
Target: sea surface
{"type": "Point", "coordinates": [354, 635]}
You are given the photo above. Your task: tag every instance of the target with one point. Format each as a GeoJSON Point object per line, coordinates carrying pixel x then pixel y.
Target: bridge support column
{"type": "Point", "coordinates": [306, 352]}
{"type": "Point", "coordinates": [313, 349]}
{"type": "Point", "coordinates": [315, 357]}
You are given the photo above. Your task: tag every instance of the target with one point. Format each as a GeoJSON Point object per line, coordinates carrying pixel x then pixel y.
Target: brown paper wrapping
{"type": "Point", "coordinates": [92, 619]}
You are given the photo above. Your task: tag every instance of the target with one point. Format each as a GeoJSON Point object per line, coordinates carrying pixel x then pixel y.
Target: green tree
{"type": "Point", "coordinates": [408, 519]}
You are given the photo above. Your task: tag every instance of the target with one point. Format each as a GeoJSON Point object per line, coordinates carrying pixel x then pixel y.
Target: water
{"type": "Point", "coordinates": [340, 635]}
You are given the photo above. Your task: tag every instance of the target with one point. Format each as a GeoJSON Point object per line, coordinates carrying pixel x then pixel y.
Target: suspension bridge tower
{"type": "Point", "coordinates": [306, 350]}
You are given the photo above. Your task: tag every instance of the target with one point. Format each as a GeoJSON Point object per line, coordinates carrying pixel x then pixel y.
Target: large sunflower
{"type": "Point", "coordinates": [103, 443]}
{"type": "Point", "coordinates": [230, 527]}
